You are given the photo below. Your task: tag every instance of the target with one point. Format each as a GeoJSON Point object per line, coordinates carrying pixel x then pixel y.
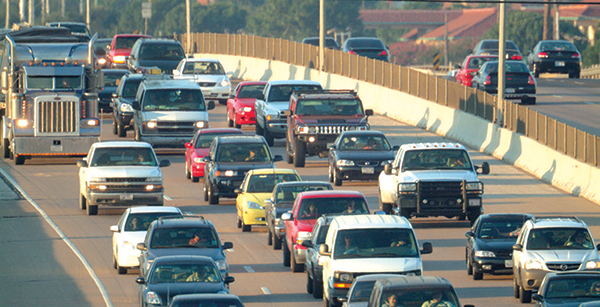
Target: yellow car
{"type": "Point", "coordinates": [257, 186]}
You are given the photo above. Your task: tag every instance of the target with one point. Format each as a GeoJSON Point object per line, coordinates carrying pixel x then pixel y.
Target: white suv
{"type": "Point", "coordinates": [120, 173]}
{"type": "Point", "coordinates": [357, 245]}
{"type": "Point", "coordinates": [551, 244]}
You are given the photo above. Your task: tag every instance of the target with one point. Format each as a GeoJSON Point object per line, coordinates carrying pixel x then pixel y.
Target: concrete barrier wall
{"type": "Point", "coordinates": [561, 171]}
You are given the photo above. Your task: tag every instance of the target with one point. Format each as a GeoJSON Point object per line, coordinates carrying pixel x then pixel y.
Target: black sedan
{"type": "Point", "coordinates": [174, 275]}
{"type": "Point", "coordinates": [112, 78]}
{"type": "Point", "coordinates": [281, 201]}
{"type": "Point", "coordinates": [213, 300]}
{"type": "Point", "coordinates": [370, 47]}
{"type": "Point", "coordinates": [359, 155]}
{"type": "Point", "coordinates": [329, 42]}
{"type": "Point", "coordinates": [491, 47]}
{"type": "Point", "coordinates": [569, 289]}
{"type": "Point", "coordinates": [555, 57]}
{"type": "Point", "coordinates": [490, 241]}
{"type": "Point", "coordinates": [519, 84]}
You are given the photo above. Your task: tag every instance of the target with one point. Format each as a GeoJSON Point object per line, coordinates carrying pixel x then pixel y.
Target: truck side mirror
{"type": "Point", "coordinates": [387, 169]}
{"type": "Point", "coordinates": [324, 250]}
{"type": "Point", "coordinates": [517, 247]}
{"type": "Point", "coordinates": [227, 245]}
{"type": "Point", "coordinates": [368, 112]}
{"type": "Point", "coordinates": [287, 112]}
{"type": "Point", "coordinates": [141, 246]}
{"type": "Point", "coordinates": [485, 168]}
{"type": "Point", "coordinates": [427, 248]}
{"type": "Point", "coordinates": [82, 163]}
{"type": "Point", "coordinates": [211, 105]}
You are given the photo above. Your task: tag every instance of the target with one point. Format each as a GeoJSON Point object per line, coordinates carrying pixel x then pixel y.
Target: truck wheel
{"type": "Point", "coordinates": [290, 158]}
{"type": "Point", "coordinates": [330, 173]}
{"type": "Point", "coordinates": [405, 213]}
{"type": "Point", "coordinates": [286, 254]}
{"type": "Point", "coordinates": [269, 237]}
{"type": "Point", "coordinates": [92, 209]}
{"type": "Point", "coordinates": [270, 139]}
{"type": "Point", "coordinates": [121, 132]}
{"type": "Point", "coordinates": [296, 267]}
{"type": "Point", "coordinates": [19, 160]}
{"type": "Point", "coordinates": [516, 288]}
{"type": "Point", "coordinates": [212, 198]}
{"type": "Point", "coordinates": [276, 242]}
{"type": "Point", "coordinates": [206, 193]}
{"type": "Point", "coordinates": [524, 296]}
{"type": "Point", "coordinates": [258, 129]}
{"type": "Point", "coordinates": [188, 174]}
{"type": "Point", "coordinates": [309, 283]}
{"type": "Point", "coordinates": [82, 202]}
{"type": "Point", "coordinates": [317, 289]}
{"type": "Point", "coordinates": [114, 126]}
{"type": "Point", "coordinates": [473, 215]}
{"type": "Point", "coordinates": [299, 153]}
{"type": "Point", "coordinates": [5, 148]}
{"type": "Point", "coordinates": [337, 178]}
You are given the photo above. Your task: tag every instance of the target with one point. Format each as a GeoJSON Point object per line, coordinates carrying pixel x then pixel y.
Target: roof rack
{"type": "Point", "coordinates": [536, 219]}
{"type": "Point", "coordinates": [324, 92]}
{"type": "Point", "coordinates": [168, 217]}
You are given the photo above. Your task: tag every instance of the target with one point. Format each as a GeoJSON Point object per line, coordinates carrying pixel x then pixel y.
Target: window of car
{"type": "Point", "coordinates": [417, 296]}
{"type": "Point", "coordinates": [501, 228]}
{"type": "Point", "coordinates": [311, 208]}
{"type": "Point", "coordinates": [375, 242]}
{"type": "Point", "coordinates": [183, 273]}
{"type": "Point", "coordinates": [559, 238]}
{"type": "Point", "coordinates": [365, 142]}
{"type": "Point", "coordinates": [289, 193]}
{"type": "Point", "coordinates": [130, 87]}
{"type": "Point", "coordinates": [125, 42]}
{"type": "Point", "coordinates": [112, 79]}
{"type": "Point", "coordinates": [176, 237]}
{"type": "Point", "coordinates": [123, 156]}
{"type": "Point", "coordinates": [204, 68]}
{"type": "Point", "coordinates": [251, 91]}
{"type": "Point", "coordinates": [247, 152]}
{"type": "Point", "coordinates": [156, 51]}
{"type": "Point", "coordinates": [366, 43]}
{"type": "Point", "coordinates": [437, 159]}
{"type": "Point", "coordinates": [558, 46]}
{"type": "Point", "coordinates": [141, 221]}
{"type": "Point", "coordinates": [265, 183]}
{"type": "Point", "coordinates": [174, 99]}
{"type": "Point", "coordinates": [362, 291]}
{"type": "Point", "coordinates": [283, 92]}
{"type": "Point", "coordinates": [205, 139]}
{"type": "Point", "coordinates": [573, 287]}
{"type": "Point", "coordinates": [329, 107]}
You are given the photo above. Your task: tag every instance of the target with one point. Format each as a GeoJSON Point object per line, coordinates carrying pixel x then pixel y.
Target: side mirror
{"type": "Point", "coordinates": [537, 297]}
{"type": "Point", "coordinates": [211, 105]}
{"type": "Point", "coordinates": [140, 280]}
{"type": "Point", "coordinates": [227, 245]}
{"type": "Point", "coordinates": [164, 163]}
{"type": "Point", "coordinates": [205, 159]}
{"type": "Point", "coordinates": [82, 163]}
{"type": "Point", "coordinates": [324, 250]}
{"type": "Point", "coordinates": [229, 279]}
{"type": "Point", "coordinates": [469, 234]}
{"type": "Point", "coordinates": [387, 169]}
{"type": "Point", "coordinates": [114, 228]}
{"type": "Point", "coordinates": [396, 148]}
{"type": "Point", "coordinates": [331, 146]}
{"type": "Point", "coordinates": [238, 191]}
{"type": "Point", "coordinates": [188, 145]}
{"type": "Point", "coordinates": [277, 158]}
{"type": "Point", "coordinates": [141, 246]}
{"type": "Point", "coordinates": [427, 248]}
{"type": "Point", "coordinates": [287, 112]}
{"type": "Point", "coordinates": [286, 216]}
{"type": "Point", "coordinates": [368, 112]}
{"type": "Point", "coordinates": [485, 168]}
{"type": "Point", "coordinates": [176, 72]}
{"type": "Point", "coordinates": [517, 247]}
{"type": "Point", "coordinates": [307, 243]}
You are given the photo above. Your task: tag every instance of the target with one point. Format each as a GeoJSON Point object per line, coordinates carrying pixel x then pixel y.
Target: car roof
{"type": "Point", "coordinates": [111, 144]}
{"type": "Point", "coordinates": [187, 221]}
{"type": "Point", "coordinates": [220, 130]}
{"type": "Point", "coordinates": [371, 277]}
{"type": "Point", "coordinates": [182, 259]}
{"type": "Point", "coordinates": [414, 281]}
{"type": "Point", "coordinates": [557, 221]}
{"type": "Point", "coordinates": [154, 209]}
{"type": "Point", "coordinates": [432, 145]}
{"type": "Point", "coordinates": [294, 82]}
{"type": "Point", "coordinates": [229, 139]}
{"type": "Point", "coordinates": [506, 215]}
{"type": "Point", "coordinates": [363, 132]}
{"type": "Point", "coordinates": [262, 171]}
{"type": "Point", "coordinates": [155, 40]}
{"type": "Point", "coordinates": [171, 84]}
{"type": "Point", "coordinates": [303, 183]}
{"type": "Point", "coordinates": [253, 83]}
{"type": "Point", "coordinates": [330, 194]}
{"type": "Point", "coordinates": [369, 221]}
{"type": "Point", "coordinates": [201, 60]}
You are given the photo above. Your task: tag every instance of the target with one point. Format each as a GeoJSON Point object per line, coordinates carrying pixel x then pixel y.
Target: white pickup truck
{"type": "Point", "coordinates": [432, 179]}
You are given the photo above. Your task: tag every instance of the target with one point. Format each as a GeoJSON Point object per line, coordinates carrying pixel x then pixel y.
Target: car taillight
{"type": "Point", "coordinates": [531, 81]}
{"type": "Point", "coordinates": [516, 57]}
{"type": "Point", "coordinates": [382, 53]}
{"type": "Point", "coordinates": [542, 55]}
{"type": "Point", "coordinates": [352, 52]}
{"type": "Point", "coordinates": [576, 55]}
{"type": "Point", "coordinates": [487, 81]}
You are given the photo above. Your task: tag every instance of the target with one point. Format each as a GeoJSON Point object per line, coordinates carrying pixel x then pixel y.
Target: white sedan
{"type": "Point", "coordinates": [131, 230]}
{"type": "Point", "coordinates": [209, 74]}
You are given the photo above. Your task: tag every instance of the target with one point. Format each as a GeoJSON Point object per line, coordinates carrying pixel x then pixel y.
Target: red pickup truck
{"type": "Point", "coordinates": [307, 207]}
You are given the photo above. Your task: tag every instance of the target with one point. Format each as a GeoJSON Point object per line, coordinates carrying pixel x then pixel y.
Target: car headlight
{"type": "Point", "coordinates": [97, 179]}
{"type": "Point", "coordinates": [197, 160]}
{"type": "Point", "coordinates": [533, 265]}
{"type": "Point", "coordinates": [101, 61]}
{"type": "Point", "coordinates": [246, 109]}
{"type": "Point", "coordinates": [407, 187]}
{"type": "Point", "coordinates": [254, 205]}
{"type": "Point", "coordinates": [474, 186]}
{"type": "Point", "coordinates": [485, 254]}
{"type": "Point", "coordinates": [225, 83]}
{"type": "Point", "coordinates": [201, 124]}
{"type": "Point", "coordinates": [221, 265]}
{"type": "Point", "coordinates": [119, 59]}
{"type": "Point", "coordinates": [592, 265]}
{"type": "Point", "coordinates": [271, 117]}
{"type": "Point", "coordinates": [344, 277]}
{"type": "Point", "coordinates": [362, 128]}
{"type": "Point", "coordinates": [302, 129]}
{"type": "Point", "coordinates": [303, 236]}
{"type": "Point", "coordinates": [153, 298]}
{"type": "Point", "coordinates": [151, 125]}
{"type": "Point", "coordinates": [230, 173]}
{"type": "Point", "coordinates": [125, 107]}
{"type": "Point", "coordinates": [344, 163]}
{"type": "Point", "coordinates": [151, 179]}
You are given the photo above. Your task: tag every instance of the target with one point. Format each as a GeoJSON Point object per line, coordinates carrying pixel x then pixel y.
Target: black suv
{"type": "Point", "coordinates": [317, 117]}
{"type": "Point", "coordinates": [314, 271]}
{"type": "Point", "coordinates": [415, 291]}
{"type": "Point", "coordinates": [229, 159]}
{"type": "Point", "coordinates": [149, 53]}
{"type": "Point", "coordinates": [122, 101]}
{"type": "Point", "coordinates": [192, 235]}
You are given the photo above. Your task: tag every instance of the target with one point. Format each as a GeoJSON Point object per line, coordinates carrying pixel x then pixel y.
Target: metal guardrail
{"type": "Point", "coordinates": [592, 72]}
{"type": "Point", "coordinates": [546, 130]}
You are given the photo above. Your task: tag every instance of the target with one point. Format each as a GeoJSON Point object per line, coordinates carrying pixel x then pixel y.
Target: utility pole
{"type": "Point", "coordinates": [7, 24]}
{"type": "Point", "coordinates": [62, 8]}
{"type": "Point", "coordinates": [80, 7]}
{"type": "Point", "coordinates": [188, 24]}
{"type": "Point", "coordinates": [556, 22]}
{"type": "Point", "coordinates": [21, 10]}
{"type": "Point", "coordinates": [321, 35]}
{"type": "Point", "coordinates": [87, 13]}
{"type": "Point", "coordinates": [446, 50]}
{"type": "Point", "coordinates": [501, 57]}
{"type": "Point", "coordinates": [546, 28]}
{"type": "Point", "coordinates": [31, 13]}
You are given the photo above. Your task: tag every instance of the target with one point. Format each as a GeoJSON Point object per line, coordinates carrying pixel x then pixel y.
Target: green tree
{"type": "Point", "coordinates": [523, 28]}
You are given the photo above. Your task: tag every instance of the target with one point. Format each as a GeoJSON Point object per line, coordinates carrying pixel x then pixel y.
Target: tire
{"type": "Point", "coordinates": [286, 255]}
{"type": "Point", "coordinates": [532, 101]}
{"type": "Point", "coordinates": [82, 202]}
{"type": "Point", "coordinates": [229, 121]}
{"type": "Point", "coordinates": [270, 139]}
{"type": "Point", "coordinates": [337, 178]}
{"type": "Point", "coordinates": [212, 198]}
{"type": "Point", "coordinates": [114, 262]}
{"type": "Point", "coordinates": [239, 126]}
{"type": "Point", "coordinates": [245, 228]}
{"type": "Point", "coordinates": [19, 160]}
{"type": "Point", "coordinates": [269, 237]}
{"type": "Point", "coordinates": [524, 296]}
{"type": "Point", "coordinates": [516, 289]}
{"type": "Point", "coordinates": [121, 132]}
{"type": "Point", "coordinates": [461, 217]}
{"type": "Point", "coordinates": [317, 289]}
{"type": "Point", "coordinates": [473, 215]}
{"type": "Point", "coordinates": [288, 155]}
{"type": "Point", "coordinates": [258, 129]}
{"type": "Point", "coordinates": [195, 179]}
{"type": "Point", "coordinates": [296, 267]}
{"type": "Point", "coordinates": [330, 173]}
{"type": "Point", "coordinates": [276, 242]}
{"type": "Point", "coordinates": [206, 193]}
{"type": "Point", "coordinates": [188, 174]}
{"type": "Point", "coordinates": [114, 126]}
{"type": "Point", "coordinates": [299, 153]}
{"type": "Point", "coordinates": [309, 283]}
{"type": "Point", "coordinates": [385, 207]}
{"type": "Point", "coordinates": [477, 275]}
{"type": "Point", "coordinates": [5, 148]}
{"type": "Point", "coordinates": [469, 266]}
{"type": "Point", "coordinates": [92, 209]}
{"type": "Point", "coordinates": [239, 222]}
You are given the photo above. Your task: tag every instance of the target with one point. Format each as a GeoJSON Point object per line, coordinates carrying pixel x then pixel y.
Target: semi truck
{"type": "Point", "coordinates": [49, 98]}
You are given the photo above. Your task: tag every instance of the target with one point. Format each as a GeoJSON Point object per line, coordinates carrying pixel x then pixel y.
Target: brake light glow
{"type": "Point", "coordinates": [542, 55]}
{"type": "Point", "coordinates": [384, 53]}
{"type": "Point", "coordinates": [531, 81]}
{"type": "Point", "coordinates": [576, 55]}
{"type": "Point", "coordinates": [352, 52]}
{"type": "Point", "coordinates": [487, 81]}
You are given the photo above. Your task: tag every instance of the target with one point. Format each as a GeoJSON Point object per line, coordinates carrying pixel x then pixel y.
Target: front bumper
{"type": "Point", "coordinates": [279, 231]}
{"type": "Point", "coordinates": [54, 146]}
{"type": "Point", "coordinates": [125, 199]}
{"type": "Point", "coordinates": [360, 172]}
{"type": "Point", "coordinates": [440, 206]}
{"type": "Point", "coordinates": [492, 265]}
{"type": "Point", "coordinates": [532, 279]}
{"type": "Point", "coordinates": [216, 93]}
{"type": "Point", "coordinates": [254, 216]}
{"type": "Point", "coordinates": [319, 143]}
{"type": "Point", "coordinates": [300, 253]}
{"type": "Point", "coordinates": [277, 129]}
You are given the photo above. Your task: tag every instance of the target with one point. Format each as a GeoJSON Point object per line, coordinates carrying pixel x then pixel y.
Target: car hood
{"type": "Point", "coordinates": [439, 175]}
{"type": "Point", "coordinates": [215, 253]}
{"type": "Point", "coordinates": [377, 265]}
{"type": "Point", "coordinates": [246, 102]}
{"type": "Point", "coordinates": [166, 66]}
{"type": "Point", "coordinates": [278, 105]}
{"type": "Point", "coordinates": [124, 171]}
{"type": "Point", "coordinates": [306, 225]}
{"type": "Point", "coordinates": [495, 245]}
{"type": "Point", "coordinates": [567, 255]}
{"type": "Point", "coordinates": [243, 167]}
{"type": "Point", "coordinates": [180, 116]}
{"type": "Point", "coordinates": [258, 198]}
{"type": "Point", "coordinates": [133, 237]}
{"type": "Point", "coordinates": [107, 92]}
{"type": "Point", "coordinates": [172, 289]}
{"type": "Point", "coordinates": [331, 119]}
{"type": "Point", "coordinates": [365, 154]}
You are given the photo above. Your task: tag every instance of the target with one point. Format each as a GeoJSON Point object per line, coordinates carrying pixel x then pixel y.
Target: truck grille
{"type": "Point", "coordinates": [207, 84]}
{"type": "Point", "coordinates": [126, 189]}
{"type": "Point", "coordinates": [57, 117]}
{"type": "Point", "coordinates": [441, 189]}
{"type": "Point", "coordinates": [366, 162]}
{"type": "Point", "coordinates": [125, 179]}
{"type": "Point", "coordinates": [176, 127]}
{"type": "Point", "coordinates": [329, 129]}
{"type": "Point", "coordinates": [563, 266]}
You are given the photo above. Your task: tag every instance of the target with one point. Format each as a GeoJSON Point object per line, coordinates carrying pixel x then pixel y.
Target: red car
{"type": "Point", "coordinates": [198, 148]}
{"type": "Point", "coordinates": [307, 207]}
{"type": "Point", "coordinates": [470, 66]}
{"type": "Point", "coordinates": [120, 48]}
{"type": "Point", "coordinates": [240, 106]}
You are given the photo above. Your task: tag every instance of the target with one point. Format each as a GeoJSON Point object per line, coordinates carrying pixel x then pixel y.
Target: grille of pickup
{"type": "Point", "coordinates": [329, 129]}
{"type": "Point", "coordinates": [125, 179]}
{"type": "Point", "coordinates": [57, 116]}
{"type": "Point", "coordinates": [175, 127]}
{"type": "Point", "coordinates": [441, 189]}
{"type": "Point", "coordinates": [207, 84]}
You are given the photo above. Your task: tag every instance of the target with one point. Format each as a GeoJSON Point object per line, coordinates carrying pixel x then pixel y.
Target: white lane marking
{"type": "Point", "coordinates": [249, 269]}
{"type": "Point", "coordinates": [63, 237]}
{"type": "Point", "coordinates": [557, 96]}
{"type": "Point", "coordinates": [166, 197]}
{"type": "Point", "coordinates": [265, 290]}
{"type": "Point", "coordinates": [592, 103]}
{"type": "Point", "coordinates": [580, 83]}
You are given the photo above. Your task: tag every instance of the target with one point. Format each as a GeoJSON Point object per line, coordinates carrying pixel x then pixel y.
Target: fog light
{"type": "Point", "coordinates": [486, 267]}
{"type": "Point", "coordinates": [311, 139]}
{"type": "Point", "coordinates": [149, 187]}
{"type": "Point", "coordinates": [425, 201]}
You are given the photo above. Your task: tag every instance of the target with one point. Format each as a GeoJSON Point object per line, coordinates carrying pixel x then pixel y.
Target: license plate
{"type": "Point", "coordinates": [56, 148]}
{"type": "Point", "coordinates": [368, 170]}
{"type": "Point", "coordinates": [508, 263]}
{"type": "Point", "coordinates": [559, 63]}
{"type": "Point", "coordinates": [126, 196]}
{"type": "Point", "coordinates": [206, 93]}
{"type": "Point", "coordinates": [509, 90]}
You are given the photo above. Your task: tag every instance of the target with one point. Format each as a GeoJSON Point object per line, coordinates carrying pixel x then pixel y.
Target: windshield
{"type": "Point", "coordinates": [121, 156]}
{"type": "Point", "coordinates": [422, 296]}
{"type": "Point", "coordinates": [436, 159]}
{"type": "Point", "coordinates": [283, 92]}
{"type": "Point", "coordinates": [177, 237]}
{"type": "Point", "coordinates": [264, 183]}
{"type": "Point", "coordinates": [375, 242]}
{"type": "Point", "coordinates": [204, 68]}
{"type": "Point", "coordinates": [173, 99]}
{"type": "Point", "coordinates": [329, 107]}
{"type": "Point", "coordinates": [131, 87]}
{"type": "Point", "coordinates": [51, 82]}
{"type": "Point", "coordinates": [288, 193]}
{"type": "Point", "coordinates": [559, 238]}
{"type": "Point", "coordinates": [365, 142]}
{"type": "Point", "coordinates": [251, 91]}
{"type": "Point", "coordinates": [577, 288]}
{"type": "Point", "coordinates": [161, 52]}
{"type": "Point", "coordinates": [184, 273]}
{"type": "Point", "coordinates": [312, 208]}
{"type": "Point", "coordinates": [112, 80]}
{"type": "Point", "coordinates": [141, 221]}
{"type": "Point", "coordinates": [255, 152]}
{"type": "Point", "coordinates": [558, 46]}
{"type": "Point", "coordinates": [511, 67]}
{"type": "Point", "coordinates": [504, 228]}
{"type": "Point", "coordinates": [125, 42]}
{"type": "Point", "coordinates": [205, 139]}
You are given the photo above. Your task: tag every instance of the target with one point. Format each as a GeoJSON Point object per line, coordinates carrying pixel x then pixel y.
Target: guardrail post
{"type": "Point", "coordinates": [446, 89]}
{"type": "Point", "coordinates": [575, 142]}
{"type": "Point", "coordinates": [565, 138]}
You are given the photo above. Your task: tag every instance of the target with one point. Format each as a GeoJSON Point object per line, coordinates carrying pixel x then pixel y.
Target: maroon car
{"type": "Point", "coordinates": [470, 66]}
{"type": "Point", "coordinates": [199, 147]}
{"type": "Point", "coordinates": [240, 105]}
{"type": "Point", "coordinates": [120, 48]}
